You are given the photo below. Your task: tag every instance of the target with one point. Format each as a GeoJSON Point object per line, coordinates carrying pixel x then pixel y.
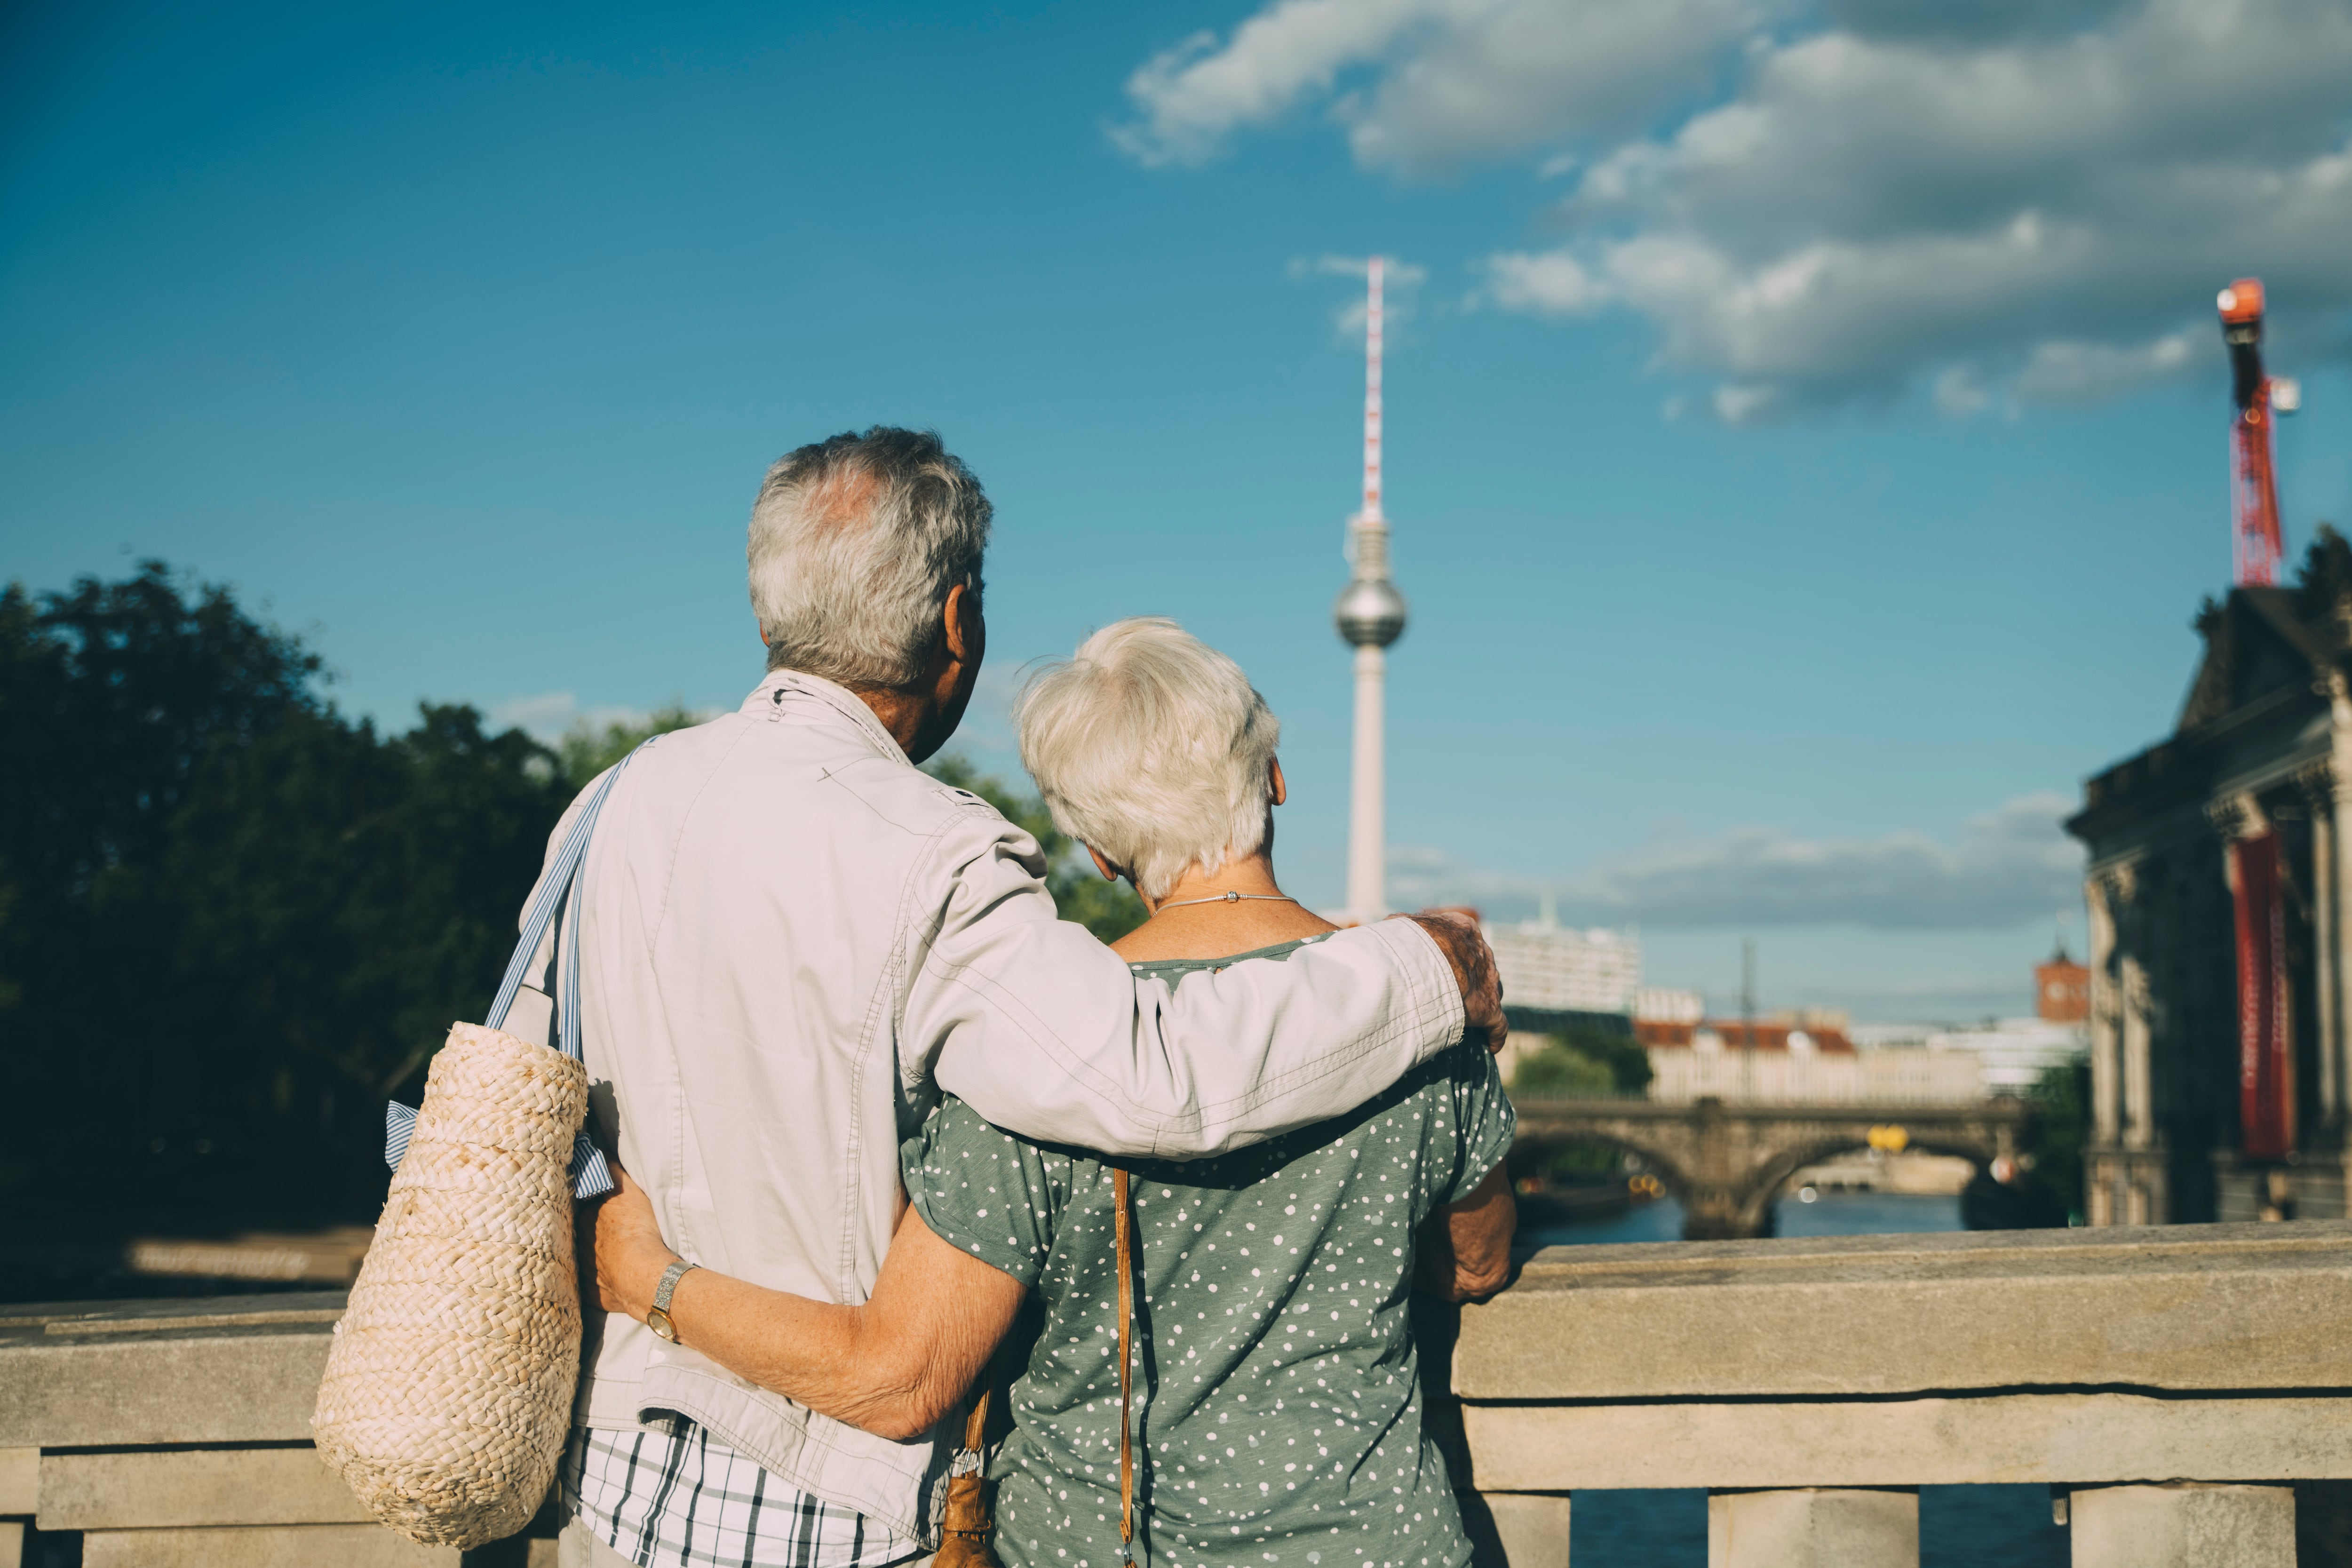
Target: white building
{"type": "Point", "coordinates": [1681, 1074]}
{"type": "Point", "coordinates": [1558, 969]}
{"type": "Point", "coordinates": [1668, 1004]}
{"type": "Point", "coordinates": [2011, 1054]}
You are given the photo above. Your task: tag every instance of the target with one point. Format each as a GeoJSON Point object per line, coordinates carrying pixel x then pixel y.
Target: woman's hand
{"type": "Point", "coordinates": [630, 1252]}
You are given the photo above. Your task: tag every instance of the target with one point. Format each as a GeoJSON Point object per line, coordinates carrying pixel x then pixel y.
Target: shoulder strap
{"type": "Point", "coordinates": [1121, 1228]}
{"type": "Point", "coordinates": [555, 886]}
{"type": "Point", "coordinates": [975, 1423]}
{"type": "Point", "coordinates": [591, 1176]}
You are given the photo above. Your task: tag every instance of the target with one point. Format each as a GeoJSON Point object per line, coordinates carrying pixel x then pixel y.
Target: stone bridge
{"type": "Point", "coordinates": [1725, 1160]}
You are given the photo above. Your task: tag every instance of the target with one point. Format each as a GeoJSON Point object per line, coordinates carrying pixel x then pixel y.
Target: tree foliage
{"type": "Point", "coordinates": [2047, 1190]}
{"type": "Point", "coordinates": [1583, 1062]}
{"type": "Point", "coordinates": [1110, 910]}
{"type": "Point", "coordinates": [231, 921]}
{"type": "Point", "coordinates": [588, 749]}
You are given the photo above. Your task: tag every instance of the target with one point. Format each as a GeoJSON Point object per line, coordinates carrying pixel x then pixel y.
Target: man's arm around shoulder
{"type": "Point", "coordinates": [1046, 1033]}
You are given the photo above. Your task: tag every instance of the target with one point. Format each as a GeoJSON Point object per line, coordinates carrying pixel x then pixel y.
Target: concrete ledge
{"type": "Point", "coordinates": [238, 1369]}
{"type": "Point", "coordinates": [198, 1486]}
{"type": "Point", "coordinates": [2067, 1438]}
{"type": "Point", "coordinates": [284, 1546]}
{"type": "Point", "coordinates": [2191, 1308]}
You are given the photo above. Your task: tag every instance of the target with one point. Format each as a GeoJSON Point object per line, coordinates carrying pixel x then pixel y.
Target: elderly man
{"type": "Point", "coordinates": [791, 941]}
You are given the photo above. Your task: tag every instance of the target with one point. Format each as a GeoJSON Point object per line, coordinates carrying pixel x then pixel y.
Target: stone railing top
{"type": "Point", "coordinates": [214, 1369]}
{"type": "Point", "coordinates": [49, 1321]}
{"type": "Point", "coordinates": [2206, 1310]}
{"type": "Point", "coordinates": [2177, 1308]}
{"type": "Point", "coordinates": [1992, 1108]}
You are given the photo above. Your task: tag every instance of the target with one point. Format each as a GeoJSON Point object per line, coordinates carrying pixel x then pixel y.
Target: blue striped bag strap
{"type": "Point", "coordinates": [558, 890]}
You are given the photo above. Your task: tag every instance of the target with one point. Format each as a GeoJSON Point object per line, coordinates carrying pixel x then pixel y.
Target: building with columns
{"type": "Point", "coordinates": [2220, 869]}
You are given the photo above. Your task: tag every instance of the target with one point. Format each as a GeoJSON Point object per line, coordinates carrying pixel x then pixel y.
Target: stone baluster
{"type": "Point", "coordinates": [1814, 1527]}
{"type": "Point", "coordinates": [2182, 1524]}
{"type": "Point", "coordinates": [1516, 1530]}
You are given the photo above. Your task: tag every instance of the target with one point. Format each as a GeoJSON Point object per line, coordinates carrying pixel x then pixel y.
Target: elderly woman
{"type": "Point", "coordinates": [1276, 1416]}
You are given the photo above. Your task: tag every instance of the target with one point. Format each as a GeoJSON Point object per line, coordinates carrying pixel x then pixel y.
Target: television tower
{"type": "Point", "coordinates": [1370, 615]}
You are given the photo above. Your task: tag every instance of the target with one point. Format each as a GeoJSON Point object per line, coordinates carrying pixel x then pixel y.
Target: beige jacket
{"type": "Point", "coordinates": [793, 941]}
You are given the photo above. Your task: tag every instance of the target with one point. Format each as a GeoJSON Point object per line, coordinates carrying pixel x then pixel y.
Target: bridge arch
{"type": "Point", "coordinates": [1725, 1161]}
{"type": "Point", "coordinates": [1775, 1171]}
{"type": "Point", "coordinates": [1660, 1156]}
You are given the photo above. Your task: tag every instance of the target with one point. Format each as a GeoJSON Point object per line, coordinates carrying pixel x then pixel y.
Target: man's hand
{"type": "Point", "coordinates": [1457, 935]}
{"type": "Point", "coordinates": [630, 1252]}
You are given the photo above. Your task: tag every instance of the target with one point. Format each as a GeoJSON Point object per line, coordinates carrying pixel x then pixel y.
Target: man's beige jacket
{"type": "Point", "coordinates": [792, 941]}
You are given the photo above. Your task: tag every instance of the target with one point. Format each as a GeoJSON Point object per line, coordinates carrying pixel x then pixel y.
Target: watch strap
{"type": "Point", "coordinates": [670, 1277]}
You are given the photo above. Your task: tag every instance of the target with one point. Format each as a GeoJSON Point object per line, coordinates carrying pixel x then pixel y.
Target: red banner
{"type": "Point", "coordinates": [2265, 1042]}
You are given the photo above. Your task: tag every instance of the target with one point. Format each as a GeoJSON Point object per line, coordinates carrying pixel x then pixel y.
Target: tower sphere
{"type": "Point", "coordinates": [1369, 613]}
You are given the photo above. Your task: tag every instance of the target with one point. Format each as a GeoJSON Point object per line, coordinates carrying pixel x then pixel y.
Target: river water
{"type": "Point", "coordinates": [1959, 1527]}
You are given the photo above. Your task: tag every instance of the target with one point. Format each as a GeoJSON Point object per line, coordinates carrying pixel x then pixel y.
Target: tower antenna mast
{"type": "Point", "coordinates": [1370, 615]}
{"type": "Point", "coordinates": [1371, 511]}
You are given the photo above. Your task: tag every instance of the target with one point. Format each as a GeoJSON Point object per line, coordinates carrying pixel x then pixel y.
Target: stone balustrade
{"type": "Point", "coordinates": [2184, 1391]}
{"type": "Point", "coordinates": [2172, 1387]}
{"type": "Point", "coordinates": [177, 1435]}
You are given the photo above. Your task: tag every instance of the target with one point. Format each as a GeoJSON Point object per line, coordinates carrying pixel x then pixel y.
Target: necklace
{"type": "Point", "coordinates": [1229, 899]}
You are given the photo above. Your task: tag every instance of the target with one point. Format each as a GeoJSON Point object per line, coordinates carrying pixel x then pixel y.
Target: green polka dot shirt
{"type": "Point", "coordinates": [1277, 1411]}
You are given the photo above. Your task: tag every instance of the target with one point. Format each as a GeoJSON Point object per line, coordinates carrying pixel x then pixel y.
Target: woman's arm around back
{"type": "Point", "coordinates": [893, 1366]}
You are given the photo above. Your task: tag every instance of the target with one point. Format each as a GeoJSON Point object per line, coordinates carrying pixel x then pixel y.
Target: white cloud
{"type": "Point", "coordinates": [545, 716]}
{"type": "Point", "coordinates": [1551, 284]}
{"type": "Point", "coordinates": [1818, 201]}
{"type": "Point", "coordinates": [2008, 866]}
{"type": "Point", "coordinates": [1193, 96]}
{"type": "Point", "coordinates": [2071, 371]}
{"type": "Point", "coordinates": [549, 715]}
{"type": "Point", "coordinates": [1450, 79]}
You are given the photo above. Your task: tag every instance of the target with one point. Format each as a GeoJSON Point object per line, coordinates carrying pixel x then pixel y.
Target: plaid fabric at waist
{"type": "Point", "coordinates": [675, 1498]}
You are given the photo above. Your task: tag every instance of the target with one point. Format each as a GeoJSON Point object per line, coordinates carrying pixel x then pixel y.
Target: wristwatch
{"type": "Point", "coordinates": [658, 1315]}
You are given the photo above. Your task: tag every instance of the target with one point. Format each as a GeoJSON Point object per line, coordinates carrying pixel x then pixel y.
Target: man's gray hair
{"type": "Point", "coordinates": [855, 543]}
{"type": "Point", "coordinates": [1153, 748]}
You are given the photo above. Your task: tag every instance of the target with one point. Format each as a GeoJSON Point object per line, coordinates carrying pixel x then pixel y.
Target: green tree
{"type": "Point", "coordinates": [1579, 1061]}
{"type": "Point", "coordinates": [233, 918]}
{"type": "Point", "coordinates": [1554, 1070]}
{"type": "Point", "coordinates": [2060, 1099]}
{"type": "Point", "coordinates": [1110, 910]}
{"type": "Point", "coordinates": [587, 749]}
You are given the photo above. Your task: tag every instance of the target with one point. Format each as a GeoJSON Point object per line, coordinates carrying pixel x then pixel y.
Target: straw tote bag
{"type": "Point", "coordinates": [449, 1385]}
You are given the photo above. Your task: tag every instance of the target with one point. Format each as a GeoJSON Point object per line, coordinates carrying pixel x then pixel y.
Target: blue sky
{"type": "Point", "coordinates": [1794, 507]}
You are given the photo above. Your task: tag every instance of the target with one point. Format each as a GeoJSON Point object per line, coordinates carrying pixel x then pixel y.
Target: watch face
{"type": "Point", "coordinates": [658, 1322]}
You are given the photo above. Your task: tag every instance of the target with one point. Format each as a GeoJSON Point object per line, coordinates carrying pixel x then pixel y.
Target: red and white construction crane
{"type": "Point", "coordinates": [2258, 542]}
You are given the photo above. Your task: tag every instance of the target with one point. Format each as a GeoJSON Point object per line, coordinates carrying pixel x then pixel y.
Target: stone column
{"type": "Point", "coordinates": [2318, 782]}
{"type": "Point", "coordinates": [2183, 1524]}
{"type": "Point", "coordinates": [2336, 1065]}
{"type": "Point", "coordinates": [1814, 1527]}
{"type": "Point", "coordinates": [2105, 892]}
{"type": "Point", "coordinates": [2138, 1074]}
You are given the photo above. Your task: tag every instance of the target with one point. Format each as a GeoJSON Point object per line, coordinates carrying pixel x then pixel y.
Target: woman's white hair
{"type": "Point", "coordinates": [1151, 747]}
{"type": "Point", "coordinates": [855, 543]}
